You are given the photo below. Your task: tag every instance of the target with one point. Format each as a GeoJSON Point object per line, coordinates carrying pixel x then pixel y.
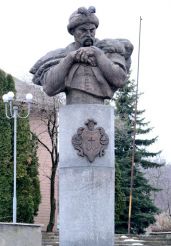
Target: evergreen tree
{"type": "Point", "coordinates": [6, 166]}
{"type": "Point", "coordinates": [143, 209]}
{"type": "Point", "coordinates": [119, 194]}
{"type": "Point", "coordinates": [28, 189]}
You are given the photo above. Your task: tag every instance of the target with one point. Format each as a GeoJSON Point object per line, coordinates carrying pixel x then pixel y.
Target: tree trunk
{"type": "Point", "coordinates": [52, 200]}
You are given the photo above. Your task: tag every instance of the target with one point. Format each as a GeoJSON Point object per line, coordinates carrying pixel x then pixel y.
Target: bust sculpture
{"type": "Point", "coordinates": [87, 70]}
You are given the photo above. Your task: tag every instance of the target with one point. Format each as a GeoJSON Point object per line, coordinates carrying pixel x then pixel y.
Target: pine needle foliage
{"type": "Point", "coordinates": [143, 208]}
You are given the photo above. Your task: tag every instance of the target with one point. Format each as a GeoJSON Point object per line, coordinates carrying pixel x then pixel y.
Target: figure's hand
{"type": "Point", "coordinates": [96, 51]}
{"type": "Point", "coordinates": [72, 55]}
{"type": "Point", "coordinates": [81, 56]}
{"type": "Point", "coordinates": [85, 55]}
{"type": "Point", "coordinates": [92, 61]}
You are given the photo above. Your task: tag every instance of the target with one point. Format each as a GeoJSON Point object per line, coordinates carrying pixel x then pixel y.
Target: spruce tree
{"type": "Point", "coordinates": [28, 189]}
{"type": "Point", "coordinates": [143, 208]}
{"type": "Point", "coordinates": [119, 194]}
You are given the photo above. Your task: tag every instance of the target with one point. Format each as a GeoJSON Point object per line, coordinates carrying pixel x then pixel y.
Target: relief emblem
{"type": "Point", "coordinates": [90, 141]}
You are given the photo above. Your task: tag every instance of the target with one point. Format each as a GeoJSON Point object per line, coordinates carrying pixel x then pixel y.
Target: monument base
{"type": "Point", "coordinates": [86, 189]}
{"type": "Point", "coordinates": [20, 234]}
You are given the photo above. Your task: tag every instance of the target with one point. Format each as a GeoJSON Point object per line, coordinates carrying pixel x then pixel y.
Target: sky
{"type": "Point", "coordinates": [31, 28]}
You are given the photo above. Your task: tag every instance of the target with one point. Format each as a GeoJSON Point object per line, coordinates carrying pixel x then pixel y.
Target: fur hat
{"type": "Point", "coordinates": [82, 16]}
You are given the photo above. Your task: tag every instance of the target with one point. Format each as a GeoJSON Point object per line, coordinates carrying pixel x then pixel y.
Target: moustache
{"type": "Point", "coordinates": [87, 41]}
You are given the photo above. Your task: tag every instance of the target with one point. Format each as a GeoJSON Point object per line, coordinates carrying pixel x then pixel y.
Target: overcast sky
{"type": "Point", "coordinates": [31, 28]}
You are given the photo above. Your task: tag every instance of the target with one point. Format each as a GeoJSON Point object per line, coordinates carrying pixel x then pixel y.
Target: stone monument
{"type": "Point", "coordinates": [88, 71]}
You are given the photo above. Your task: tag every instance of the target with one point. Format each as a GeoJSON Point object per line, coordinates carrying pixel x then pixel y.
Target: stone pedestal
{"type": "Point", "coordinates": [20, 234]}
{"type": "Point", "coordinates": [86, 189]}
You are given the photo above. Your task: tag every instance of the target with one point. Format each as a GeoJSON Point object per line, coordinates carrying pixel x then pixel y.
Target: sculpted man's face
{"type": "Point", "coordinates": [85, 34]}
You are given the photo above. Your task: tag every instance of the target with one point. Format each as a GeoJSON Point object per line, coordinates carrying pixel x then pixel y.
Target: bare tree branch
{"type": "Point", "coordinates": [44, 145]}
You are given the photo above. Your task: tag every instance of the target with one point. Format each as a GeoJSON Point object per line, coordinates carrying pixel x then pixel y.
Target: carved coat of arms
{"type": "Point", "coordinates": [90, 141]}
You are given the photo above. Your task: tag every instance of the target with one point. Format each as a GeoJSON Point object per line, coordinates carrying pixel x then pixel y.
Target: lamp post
{"type": "Point", "coordinates": [12, 111]}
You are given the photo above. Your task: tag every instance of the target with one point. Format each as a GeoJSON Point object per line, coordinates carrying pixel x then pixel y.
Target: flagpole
{"type": "Point", "coordinates": [134, 135]}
